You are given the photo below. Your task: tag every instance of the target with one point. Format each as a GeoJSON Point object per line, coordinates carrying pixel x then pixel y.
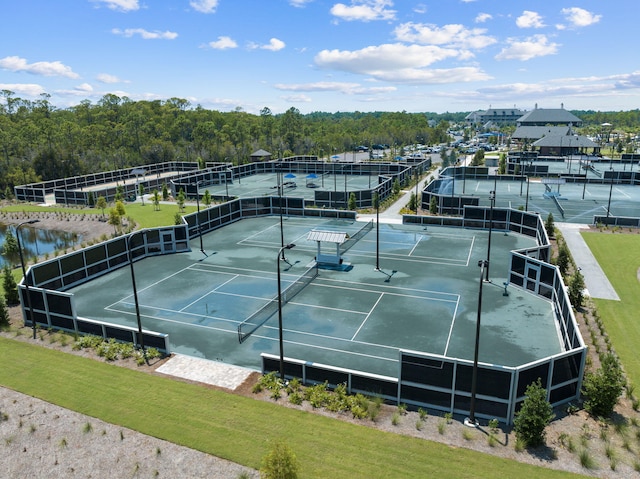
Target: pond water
{"type": "Point", "coordinates": [35, 242]}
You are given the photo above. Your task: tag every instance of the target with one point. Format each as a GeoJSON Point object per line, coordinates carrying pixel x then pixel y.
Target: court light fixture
{"type": "Point", "coordinates": [24, 274]}
{"type": "Point", "coordinates": [471, 420]}
{"type": "Point", "coordinates": [281, 341]}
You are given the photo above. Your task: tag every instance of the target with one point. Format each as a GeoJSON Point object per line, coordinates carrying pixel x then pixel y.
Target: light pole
{"type": "Point", "coordinates": [376, 203]}
{"type": "Point", "coordinates": [610, 191]}
{"type": "Point", "coordinates": [471, 420]}
{"type": "Point", "coordinates": [197, 185]}
{"type": "Point", "coordinates": [24, 273]}
{"type": "Point", "coordinates": [492, 198]}
{"type": "Point", "coordinates": [526, 203]}
{"type": "Point", "coordinates": [281, 250]}
{"type": "Point", "coordinates": [417, 183]}
{"type": "Point", "coordinates": [135, 291]}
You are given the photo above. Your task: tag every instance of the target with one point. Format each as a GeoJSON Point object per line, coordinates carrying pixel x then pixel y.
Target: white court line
{"type": "Point", "coordinates": [453, 320]}
{"type": "Point", "coordinates": [470, 250]}
{"type": "Point", "coordinates": [157, 318]}
{"type": "Point", "coordinates": [415, 246]}
{"type": "Point", "coordinates": [363, 290]}
{"type": "Point", "coordinates": [259, 232]}
{"type": "Point", "coordinates": [622, 192]}
{"type": "Point", "coordinates": [207, 294]}
{"type": "Point", "coordinates": [368, 315]}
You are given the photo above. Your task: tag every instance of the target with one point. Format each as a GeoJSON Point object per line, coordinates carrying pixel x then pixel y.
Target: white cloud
{"type": "Point", "coordinates": [301, 98]}
{"type": "Point", "coordinates": [27, 89]}
{"type": "Point", "coordinates": [120, 5]}
{"type": "Point", "coordinates": [204, 6]}
{"type": "Point", "coordinates": [342, 87]}
{"type": "Point", "coordinates": [400, 63]}
{"type": "Point", "coordinates": [420, 8]}
{"type": "Point", "coordinates": [223, 43]}
{"type": "Point", "coordinates": [364, 10]}
{"type": "Point", "coordinates": [106, 78]}
{"type": "Point", "coordinates": [274, 45]}
{"type": "Point", "coordinates": [145, 34]}
{"type": "Point", "coordinates": [483, 17]}
{"type": "Point", "coordinates": [453, 35]}
{"type": "Point", "coordinates": [299, 3]}
{"type": "Point", "coordinates": [532, 47]}
{"type": "Point", "coordinates": [579, 17]}
{"type": "Point", "coordinates": [433, 76]}
{"type": "Point", "coordinates": [529, 19]}
{"type": "Point", "coordinates": [47, 69]}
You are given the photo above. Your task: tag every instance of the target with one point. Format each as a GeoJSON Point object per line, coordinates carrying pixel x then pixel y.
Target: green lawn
{"type": "Point", "coordinates": [235, 427]}
{"type": "Point", "coordinates": [619, 257]}
{"type": "Point", "coordinates": [145, 216]}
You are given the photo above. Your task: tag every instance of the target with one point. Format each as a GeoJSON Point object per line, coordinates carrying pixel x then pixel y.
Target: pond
{"type": "Point", "coordinates": [35, 242]}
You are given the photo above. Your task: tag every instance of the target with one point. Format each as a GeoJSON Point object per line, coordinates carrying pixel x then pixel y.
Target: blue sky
{"type": "Point", "coordinates": [326, 55]}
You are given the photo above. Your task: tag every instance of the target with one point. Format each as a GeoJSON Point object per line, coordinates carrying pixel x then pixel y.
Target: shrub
{"type": "Point", "coordinates": [534, 416]}
{"type": "Point", "coordinates": [279, 463]}
{"type": "Point", "coordinates": [603, 387]}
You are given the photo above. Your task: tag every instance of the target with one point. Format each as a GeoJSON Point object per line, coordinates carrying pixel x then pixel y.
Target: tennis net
{"type": "Point", "coordinates": [257, 319]}
{"type": "Point", "coordinates": [555, 200]}
{"type": "Point", "coordinates": [344, 247]}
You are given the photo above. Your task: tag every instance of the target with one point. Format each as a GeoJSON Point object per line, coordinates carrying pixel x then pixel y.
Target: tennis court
{"type": "Point", "coordinates": [299, 185]}
{"type": "Point", "coordinates": [568, 202]}
{"type": "Point", "coordinates": [423, 297]}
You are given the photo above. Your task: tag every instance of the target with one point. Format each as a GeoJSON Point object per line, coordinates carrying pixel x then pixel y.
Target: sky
{"type": "Point", "coordinates": [326, 55]}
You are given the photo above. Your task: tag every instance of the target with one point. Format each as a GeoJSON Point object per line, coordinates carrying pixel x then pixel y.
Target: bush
{"type": "Point", "coordinates": [534, 416]}
{"type": "Point", "coordinates": [604, 387]}
{"type": "Point", "coordinates": [10, 286]}
{"type": "Point", "coordinates": [279, 463]}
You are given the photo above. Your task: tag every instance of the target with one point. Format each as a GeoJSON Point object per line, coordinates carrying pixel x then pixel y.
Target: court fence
{"type": "Point", "coordinates": [382, 176]}
{"type": "Point", "coordinates": [443, 383]}
{"type": "Point", "coordinates": [47, 283]}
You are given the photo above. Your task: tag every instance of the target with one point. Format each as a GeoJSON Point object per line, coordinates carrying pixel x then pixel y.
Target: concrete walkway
{"type": "Point", "coordinates": [205, 371]}
{"type": "Point", "coordinates": [597, 283]}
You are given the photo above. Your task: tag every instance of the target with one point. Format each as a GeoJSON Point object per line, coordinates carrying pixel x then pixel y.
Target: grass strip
{"type": "Point", "coordinates": [234, 427]}
{"type": "Point", "coordinates": [619, 258]}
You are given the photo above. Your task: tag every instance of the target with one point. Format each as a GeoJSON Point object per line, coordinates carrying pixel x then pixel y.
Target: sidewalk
{"type": "Point", "coordinates": [597, 283]}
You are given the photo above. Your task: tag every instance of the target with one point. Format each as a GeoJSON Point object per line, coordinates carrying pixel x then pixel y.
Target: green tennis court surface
{"type": "Point", "coordinates": [423, 298]}
{"type": "Point", "coordinates": [576, 202]}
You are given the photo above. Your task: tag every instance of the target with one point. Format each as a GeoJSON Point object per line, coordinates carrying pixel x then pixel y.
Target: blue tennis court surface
{"type": "Point", "coordinates": [423, 298]}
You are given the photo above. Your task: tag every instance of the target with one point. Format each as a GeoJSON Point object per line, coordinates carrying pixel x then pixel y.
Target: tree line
{"type": "Point", "coordinates": [39, 141]}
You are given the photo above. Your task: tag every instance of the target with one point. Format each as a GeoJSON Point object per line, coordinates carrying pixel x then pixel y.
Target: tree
{"type": "Point", "coordinates": [603, 387]}
{"type": "Point", "coordinates": [4, 313]}
{"type": "Point", "coordinates": [141, 192]}
{"type": "Point", "coordinates": [91, 200]}
{"type": "Point", "coordinates": [102, 204]}
{"type": "Point", "coordinates": [563, 258]}
{"type": "Point", "coordinates": [413, 204]}
{"type": "Point", "coordinates": [433, 206]}
{"type": "Point", "coordinates": [10, 243]}
{"type": "Point", "coordinates": [10, 286]}
{"type": "Point", "coordinates": [165, 192]}
{"type": "Point", "coordinates": [206, 198]}
{"type": "Point", "coordinates": [353, 204]}
{"type": "Point", "coordinates": [549, 226]}
{"type": "Point", "coordinates": [478, 158]}
{"type": "Point", "coordinates": [396, 186]}
{"type": "Point", "coordinates": [576, 288]}
{"type": "Point", "coordinates": [114, 220]}
{"type": "Point", "coordinates": [181, 199]}
{"type": "Point", "coordinates": [534, 416]}
{"type": "Point", "coordinates": [279, 463]}
{"type": "Point", "coordinates": [155, 196]}
{"type": "Point", "coordinates": [120, 209]}
{"type": "Point", "coordinates": [502, 164]}
{"type": "Point", "coordinates": [119, 196]}
{"type": "Point", "coordinates": [177, 219]}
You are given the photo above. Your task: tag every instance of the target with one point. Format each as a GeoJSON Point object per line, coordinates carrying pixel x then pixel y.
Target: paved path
{"type": "Point", "coordinates": [205, 371]}
{"type": "Point", "coordinates": [597, 283]}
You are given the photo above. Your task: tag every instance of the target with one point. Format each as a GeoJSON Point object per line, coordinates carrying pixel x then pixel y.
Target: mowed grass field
{"type": "Point", "coordinates": [237, 428]}
{"type": "Point", "coordinates": [619, 257]}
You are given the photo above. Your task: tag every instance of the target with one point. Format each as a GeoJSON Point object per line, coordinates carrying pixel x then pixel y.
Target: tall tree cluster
{"type": "Point", "coordinates": [41, 142]}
